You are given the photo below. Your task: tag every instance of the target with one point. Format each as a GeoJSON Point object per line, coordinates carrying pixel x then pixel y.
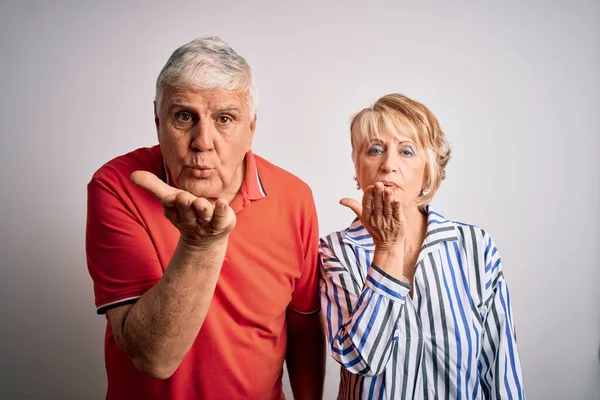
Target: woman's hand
{"type": "Point", "coordinates": [382, 217]}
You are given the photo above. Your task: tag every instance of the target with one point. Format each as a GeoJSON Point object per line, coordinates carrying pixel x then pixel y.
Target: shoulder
{"type": "Point", "coordinates": [334, 239]}
{"type": "Point", "coordinates": [116, 172]}
{"type": "Point", "coordinates": [110, 187]}
{"type": "Point", "coordinates": [475, 241]}
{"type": "Point", "coordinates": [475, 250]}
{"type": "Point", "coordinates": [469, 235]}
{"type": "Point", "coordinates": [280, 181]}
{"type": "Point", "coordinates": [474, 235]}
{"type": "Point", "coordinates": [342, 244]}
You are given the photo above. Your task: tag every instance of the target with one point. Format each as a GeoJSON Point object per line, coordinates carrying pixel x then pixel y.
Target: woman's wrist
{"type": "Point", "coordinates": [390, 249]}
{"type": "Point", "coordinates": [391, 260]}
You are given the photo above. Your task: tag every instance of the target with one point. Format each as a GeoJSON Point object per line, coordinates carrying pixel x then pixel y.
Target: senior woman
{"type": "Point", "coordinates": [416, 306]}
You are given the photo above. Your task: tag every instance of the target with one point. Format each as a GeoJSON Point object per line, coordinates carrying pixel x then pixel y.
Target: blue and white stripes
{"type": "Point", "coordinates": [454, 339]}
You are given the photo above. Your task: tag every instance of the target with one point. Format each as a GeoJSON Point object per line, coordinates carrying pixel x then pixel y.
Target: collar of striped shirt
{"type": "Point", "coordinates": [439, 229]}
{"type": "Point", "coordinates": [254, 185]}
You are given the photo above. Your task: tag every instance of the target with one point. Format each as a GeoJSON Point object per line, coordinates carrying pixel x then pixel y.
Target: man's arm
{"type": "Point", "coordinates": [305, 355]}
{"type": "Point", "coordinates": [306, 340]}
{"type": "Point", "coordinates": [159, 329]}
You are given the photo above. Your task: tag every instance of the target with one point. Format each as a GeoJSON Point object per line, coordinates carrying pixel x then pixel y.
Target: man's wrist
{"type": "Point", "coordinates": [202, 247]}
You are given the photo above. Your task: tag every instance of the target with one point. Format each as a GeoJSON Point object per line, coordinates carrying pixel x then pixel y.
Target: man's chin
{"type": "Point", "coordinates": [208, 190]}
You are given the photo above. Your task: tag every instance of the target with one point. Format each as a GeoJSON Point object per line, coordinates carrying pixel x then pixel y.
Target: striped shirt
{"type": "Point", "coordinates": [454, 339]}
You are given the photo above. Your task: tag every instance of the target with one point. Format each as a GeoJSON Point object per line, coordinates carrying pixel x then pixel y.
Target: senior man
{"type": "Point", "coordinates": [204, 255]}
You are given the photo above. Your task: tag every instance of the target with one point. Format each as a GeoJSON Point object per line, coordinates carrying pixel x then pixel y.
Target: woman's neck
{"type": "Point", "coordinates": [416, 229]}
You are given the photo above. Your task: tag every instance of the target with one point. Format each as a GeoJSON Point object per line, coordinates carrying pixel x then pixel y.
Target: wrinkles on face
{"type": "Point", "coordinates": [204, 136]}
{"type": "Point", "coordinates": [396, 161]}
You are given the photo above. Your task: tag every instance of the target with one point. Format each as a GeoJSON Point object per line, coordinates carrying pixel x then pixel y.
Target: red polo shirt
{"type": "Point", "coordinates": [270, 266]}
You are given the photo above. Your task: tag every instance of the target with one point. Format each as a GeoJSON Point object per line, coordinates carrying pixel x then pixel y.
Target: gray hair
{"type": "Point", "coordinates": [208, 63]}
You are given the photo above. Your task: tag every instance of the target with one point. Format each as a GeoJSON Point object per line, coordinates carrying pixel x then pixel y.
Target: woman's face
{"type": "Point", "coordinates": [396, 161]}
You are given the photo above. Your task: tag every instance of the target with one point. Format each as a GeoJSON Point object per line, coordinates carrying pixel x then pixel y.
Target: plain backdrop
{"type": "Point", "coordinates": [516, 86]}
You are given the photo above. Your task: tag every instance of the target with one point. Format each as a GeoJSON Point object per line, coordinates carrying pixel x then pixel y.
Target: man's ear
{"type": "Point", "coordinates": [252, 130]}
{"type": "Point", "coordinates": [156, 120]}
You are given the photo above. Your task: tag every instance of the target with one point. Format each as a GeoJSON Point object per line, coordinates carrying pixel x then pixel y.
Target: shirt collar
{"type": "Point", "coordinates": [255, 185]}
{"type": "Point", "coordinates": [439, 229]}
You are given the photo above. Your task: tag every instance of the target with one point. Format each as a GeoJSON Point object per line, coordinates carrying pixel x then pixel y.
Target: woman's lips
{"type": "Point", "coordinates": [390, 185]}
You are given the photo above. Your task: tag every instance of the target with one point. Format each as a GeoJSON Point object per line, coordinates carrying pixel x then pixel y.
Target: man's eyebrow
{"type": "Point", "coordinates": [179, 103]}
{"type": "Point", "coordinates": [227, 107]}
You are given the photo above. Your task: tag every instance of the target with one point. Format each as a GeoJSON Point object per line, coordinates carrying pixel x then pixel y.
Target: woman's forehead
{"type": "Point", "coordinates": [387, 132]}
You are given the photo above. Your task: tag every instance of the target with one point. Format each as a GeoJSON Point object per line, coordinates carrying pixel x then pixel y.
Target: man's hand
{"type": "Point", "coordinates": [199, 222]}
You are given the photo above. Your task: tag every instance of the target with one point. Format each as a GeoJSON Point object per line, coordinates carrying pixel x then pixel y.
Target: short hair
{"type": "Point", "coordinates": [208, 63]}
{"type": "Point", "coordinates": [396, 112]}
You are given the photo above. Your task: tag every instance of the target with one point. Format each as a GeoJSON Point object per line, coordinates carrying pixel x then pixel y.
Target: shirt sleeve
{"type": "Point", "coordinates": [121, 258]}
{"type": "Point", "coordinates": [499, 364]}
{"type": "Point", "coordinates": [360, 317]}
{"type": "Point", "coordinates": [305, 297]}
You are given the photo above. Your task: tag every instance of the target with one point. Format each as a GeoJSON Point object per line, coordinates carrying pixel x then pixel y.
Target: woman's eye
{"type": "Point", "coordinates": [376, 150]}
{"type": "Point", "coordinates": [407, 151]}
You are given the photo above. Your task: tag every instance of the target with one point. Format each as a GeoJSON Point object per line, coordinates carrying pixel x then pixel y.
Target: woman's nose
{"type": "Point", "coordinates": [390, 163]}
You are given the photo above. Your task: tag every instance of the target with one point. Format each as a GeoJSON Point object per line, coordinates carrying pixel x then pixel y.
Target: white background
{"type": "Point", "coordinates": [515, 85]}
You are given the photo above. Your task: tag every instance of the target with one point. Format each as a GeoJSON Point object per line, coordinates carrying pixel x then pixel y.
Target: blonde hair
{"type": "Point", "coordinates": [398, 113]}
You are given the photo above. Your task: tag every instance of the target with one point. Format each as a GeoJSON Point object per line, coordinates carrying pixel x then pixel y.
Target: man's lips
{"type": "Point", "coordinates": [201, 171]}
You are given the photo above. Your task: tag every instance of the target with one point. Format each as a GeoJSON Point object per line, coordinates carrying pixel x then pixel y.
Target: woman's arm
{"type": "Point", "coordinates": [360, 320]}
{"type": "Point", "coordinates": [499, 365]}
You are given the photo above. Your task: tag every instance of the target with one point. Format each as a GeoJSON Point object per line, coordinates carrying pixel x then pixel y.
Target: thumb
{"type": "Point", "coordinates": [153, 184]}
{"type": "Point", "coordinates": [353, 205]}
{"type": "Point", "coordinates": [223, 216]}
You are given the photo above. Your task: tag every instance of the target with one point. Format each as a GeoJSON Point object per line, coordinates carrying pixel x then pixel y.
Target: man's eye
{"type": "Point", "coordinates": [183, 116]}
{"type": "Point", "coordinates": [223, 119]}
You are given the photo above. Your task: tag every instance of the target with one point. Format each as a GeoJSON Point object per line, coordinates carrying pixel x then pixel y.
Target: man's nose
{"type": "Point", "coordinates": [203, 136]}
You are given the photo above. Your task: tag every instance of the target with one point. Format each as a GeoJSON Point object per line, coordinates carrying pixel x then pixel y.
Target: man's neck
{"type": "Point", "coordinates": [236, 183]}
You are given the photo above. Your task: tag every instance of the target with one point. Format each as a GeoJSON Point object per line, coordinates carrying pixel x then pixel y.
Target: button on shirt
{"type": "Point", "coordinates": [454, 339]}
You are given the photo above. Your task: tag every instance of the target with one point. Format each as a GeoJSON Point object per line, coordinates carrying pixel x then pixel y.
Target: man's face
{"type": "Point", "coordinates": [204, 136]}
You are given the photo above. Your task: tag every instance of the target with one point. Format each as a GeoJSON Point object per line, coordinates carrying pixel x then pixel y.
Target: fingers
{"type": "Point", "coordinates": [171, 214]}
{"type": "Point", "coordinates": [182, 208]}
{"type": "Point", "coordinates": [223, 216]}
{"type": "Point", "coordinates": [378, 199]}
{"type": "Point", "coordinates": [183, 204]}
{"type": "Point", "coordinates": [169, 200]}
{"type": "Point", "coordinates": [152, 184]}
{"type": "Point", "coordinates": [387, 203]}
{"type": "Point", "coordinates": [397, 210]}
{"type": "Point", "coordinates": [203, 210]}
{"type": "Point", "coordinates": [367, 203]}
{"type": "Point", "coordinates": [353, 205]}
